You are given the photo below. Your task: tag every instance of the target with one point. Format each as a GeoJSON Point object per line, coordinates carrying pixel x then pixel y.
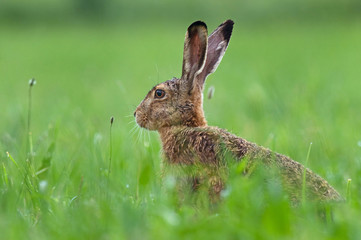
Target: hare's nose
{"type": "Point", "coordinates": [135, 113]}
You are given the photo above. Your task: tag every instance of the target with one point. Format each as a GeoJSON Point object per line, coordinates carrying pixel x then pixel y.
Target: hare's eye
{"type": "Point", "coordinates": [159, 93]}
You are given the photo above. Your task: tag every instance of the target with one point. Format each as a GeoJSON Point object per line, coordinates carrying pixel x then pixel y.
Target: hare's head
{"type": "Point", "coordinates": [179, 101]}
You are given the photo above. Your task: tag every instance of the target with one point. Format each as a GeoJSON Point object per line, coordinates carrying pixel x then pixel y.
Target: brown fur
{"type": "Point", "coordinates": [188, 141]}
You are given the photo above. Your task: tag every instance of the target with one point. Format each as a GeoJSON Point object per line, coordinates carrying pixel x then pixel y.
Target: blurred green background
{"type": "Point", "coordinates": [291, 76]}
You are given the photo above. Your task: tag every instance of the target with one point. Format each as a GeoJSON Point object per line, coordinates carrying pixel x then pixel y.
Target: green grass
{"type": "Point", "coordinates": [284, 84]}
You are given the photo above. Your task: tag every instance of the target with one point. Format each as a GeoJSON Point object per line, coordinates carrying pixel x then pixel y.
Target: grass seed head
{"type": "Point", "coordinates": [211, 90]}
{"type": "Point", "coordinates": [32, 82]}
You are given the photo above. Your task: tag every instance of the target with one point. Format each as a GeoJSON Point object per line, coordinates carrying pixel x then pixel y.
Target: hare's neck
{"type": "Point", "coordinates": [172, 140]}
{"type": "Point", "coordinates": [195, 118]}
{"type": "Point", "coordinates": [192, 112]}
{"type": "Point", "coordinates": [168, 134]}
{"type": "Point", "coordinates": [169, 141]}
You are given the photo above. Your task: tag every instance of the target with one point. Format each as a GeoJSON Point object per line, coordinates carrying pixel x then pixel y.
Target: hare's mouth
{"type": "Point", "coordinates": [142, 120]}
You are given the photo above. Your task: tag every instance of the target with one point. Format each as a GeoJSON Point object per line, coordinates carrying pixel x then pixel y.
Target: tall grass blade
{"type": "Point", "coordinates": [12, 159]}
{"type": "Point", "coordinates": [5, 176]}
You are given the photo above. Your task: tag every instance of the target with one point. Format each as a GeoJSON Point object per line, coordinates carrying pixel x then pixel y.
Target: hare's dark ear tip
{"type": "Point", "coordinates": [197, 24]}
{"type": "Point", "coordinates": [227, 29]}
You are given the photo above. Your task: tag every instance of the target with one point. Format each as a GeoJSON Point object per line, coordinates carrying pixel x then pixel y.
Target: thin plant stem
{"type": "Point", "coordinates": [110, 153]}
{"type": "Point", "coordinates": [30, 180]}
{"type": "Point", "coordinates": [304, 175]}
{"type": "Point", "coordinates": [32, 82]}
{"type": "Point", "coordinates": [110, 145]}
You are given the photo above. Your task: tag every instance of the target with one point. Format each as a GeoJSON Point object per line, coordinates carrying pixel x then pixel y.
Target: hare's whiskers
{"type": "Point", "coordinates": [134, 129]}
{"type": "Point", "coordinates": [139, 132]}
{"type": "Point", "coordinates": [148, 137]}
{"type": "Point", "coordinates": [143, 136]}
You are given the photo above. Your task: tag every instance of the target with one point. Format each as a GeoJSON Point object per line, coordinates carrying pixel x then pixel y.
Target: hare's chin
{"type": "Point", "coordinates": [146, 125]}
{"type": "Point", "coordinates": [141, 123]}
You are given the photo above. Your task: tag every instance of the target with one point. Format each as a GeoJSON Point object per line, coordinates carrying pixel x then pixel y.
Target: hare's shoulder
{"type": "Point", "coordinates": [188, 145]}
{"type": "Point", "coordinates": [205, 144]}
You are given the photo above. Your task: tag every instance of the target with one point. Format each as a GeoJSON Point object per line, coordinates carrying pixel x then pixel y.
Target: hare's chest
{"type": "Point", "coordinates": [192, 181]}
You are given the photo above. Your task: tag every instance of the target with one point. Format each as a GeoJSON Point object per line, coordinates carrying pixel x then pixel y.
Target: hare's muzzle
{"type": "Point", "coordinates": [140, 119]}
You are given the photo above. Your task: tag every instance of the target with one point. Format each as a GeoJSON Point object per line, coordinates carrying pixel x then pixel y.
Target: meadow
{"type": "Point", "coordinates": [283, 84]}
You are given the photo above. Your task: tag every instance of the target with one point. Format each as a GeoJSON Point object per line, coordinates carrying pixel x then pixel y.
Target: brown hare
{"type": "Point", "coordinates": [174, 108]}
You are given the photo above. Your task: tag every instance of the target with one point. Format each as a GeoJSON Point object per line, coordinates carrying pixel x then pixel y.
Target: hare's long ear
{"type": "Point", "coordinates": [194, 55]}
{"type": "Point", "coordinates": [217, 46]}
